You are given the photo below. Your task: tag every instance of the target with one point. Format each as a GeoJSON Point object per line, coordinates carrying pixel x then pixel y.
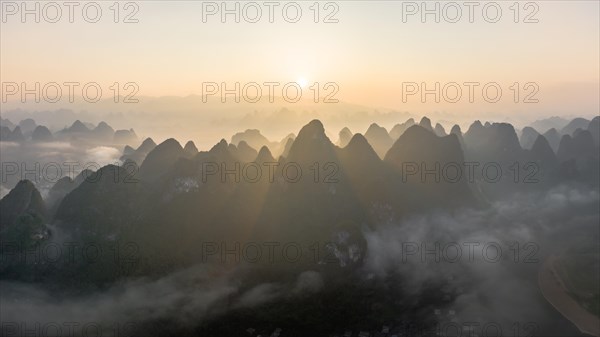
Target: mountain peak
{"type": "Point", "coordinates": [17, 135]}
{"type": "Point", "coordinates": [576, 123]}
{"type": "Point", "coordinates": [542, 150]}
{"type": "Point", "coordinates": [78, 126]}
{"type": "Point", "coordinates": [251, 136]}
{"type": "Point", "coordinates": [313, 129]}
{"type": "Point", "coordinates": [103, 125]}
{"type": "Point", "coordinates": [190, 148]}
{"type": "Point", "coordinates": [417, 138]}
{"type": "Point", "coordinates": [399, 129]}
{"type": "Point", "coordinates": [541, 144]}
{"type": "Point", "coordinates": [311, 144]}
{"type": "Point", "coordinates": [245, 152]}
{"type": "Point", "coordinates": [498, 141]}
{"type": "Point", "coordinates": [553, 137]}
{"type": "Point", "coordinates": [379, 139]}
{"type": "Point", "coordinates": [169, 143]}
{"type": "Point", "coordinates": [161, 158]}
{"type": "Point", "coordinates": [24, 198]}
{"type": "Point", "coordinates": [264, 156]}
{"type": "Point", "coordinates": [456, 130]}
{"type": "Point", "coordinates": [359, 141]}
{"type": "Point", "coordinates": [420, 146]}
{"type": "Point", "coordinates": [345, 136]}
{"type": "Point", "coordinates": [439, 130]}
{"type": "Point", "coordinates": [594, 129]}
{"type": "Point", "coordinates": [359, 147]}
{"type": "Point", "coordinates": [475, 126]}
{"type": "Point", "coordinates": [147, 145]}
{"type": "Point", "coordinates": [287, 147]}
{"type": "Point", "coordinates": [41, 134]}
{"type": "Point", "coordinates": [374, 126]}
{"type": "Point", "coordinates": [220, 146]}
{"type": "Point", "coordinates": [579, 147]}
{"type": "Point", "coordinates": [426, 124]}
{"type": "Point", "coordinates": [125, 136]}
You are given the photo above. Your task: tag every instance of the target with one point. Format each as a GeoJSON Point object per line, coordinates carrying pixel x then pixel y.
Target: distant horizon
{"type": "Point", "coordinates": [332, 133]}
{"type": "Point", "coordinates": [369, 51]}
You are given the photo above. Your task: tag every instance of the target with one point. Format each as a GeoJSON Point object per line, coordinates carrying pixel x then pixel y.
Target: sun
{"type": "Point", "coordinates": [302, 82]}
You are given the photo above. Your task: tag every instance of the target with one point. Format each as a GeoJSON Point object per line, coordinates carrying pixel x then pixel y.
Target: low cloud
{"type": "Point", "coordinates": [528, 228]}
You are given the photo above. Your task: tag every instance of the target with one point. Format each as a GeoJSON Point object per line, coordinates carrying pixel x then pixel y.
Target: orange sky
{"type": "Point", "coordinates": [369, 53]}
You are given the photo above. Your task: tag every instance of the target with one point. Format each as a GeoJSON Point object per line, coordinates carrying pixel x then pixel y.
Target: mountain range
{"type": "Point", "coordinates": [165, 192]}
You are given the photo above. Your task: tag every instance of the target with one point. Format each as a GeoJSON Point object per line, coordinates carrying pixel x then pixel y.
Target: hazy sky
{"type": "Point", "coordinates": [369, 52]}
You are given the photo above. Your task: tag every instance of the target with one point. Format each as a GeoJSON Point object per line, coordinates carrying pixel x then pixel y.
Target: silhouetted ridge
{"type": "Point", "coordinates": [5, 133]}
{"type": "Point", "coordinates": [21, 200]}
{"type": "Point", "coordinates": [594, 129]}
{"type": "Point", "coordinates": [439, 130]}
{"type": "Point", "coordinates": [220, 153]}
{"type": "Point", "coordinates": [399, 129]}
{"type": "Point", "coordinates": [59, 190]}
{"type": "Point", "coordinates": [27, 126]}
{"type": "Point", "coordinates": [542, 147]}
{"type": "Point", "coordinates": [579, 147]}
{"type": "Point", "coordinates": [287, 147]}
{"type": "Point", "coordinates": [190, 148]}
{"type": "Point", "coordinates": [147, 145]}
{"type": "Point", "coordinates": [553, 138]}
{"type": "Point", "coordinates": [78, 126]}
{"type": "Point", "coordinates": [419, 149]}
{"type": "Point", "coordinates": [546, 124]}
{"type": "Point", "coordinates": [220, 147]}
{"type": "Point", "coordinates": [360, 149]}
{"type": "Point", "coordinates": [264, 156]}
{"type": "Point", "coordinates": [418, 144]}
{"type": "Point", "coordinates": [7, 123]}
{"type": "Point", "coordinates": [128, 151]}
{"type": "Point", "coordinates": [314, 129]}
{"type": "Point", "coordinates": [311, 145]}
{"type": "Point", "coordinates": [252, 137]}
{"type": "Point", "coordinates": [160, 159]}
{"type": "Point", "coordinates": [426, 124]}
{"type": "Point", "coordinates": [475, 127]}
{"type": "Point", "coordinates": [103, 205]}
{"type": "Point", "coordinates": [498, 141]}
{"type": "Point", "coordinates": [345, 136]}
{"type": "Point", "coordinates": [576, 123]}
{"type": "Point", "coordinates": [104, 132]}
{"type": "Point", "coordinates": [368, 180]}
{"type": "Point", "coordinates": [245, 153]}
{"type": "Point", "coordinates": [542, 152]}
{"type": "Point", "coordinates": [565, 147]}
{"type": "Point", "coordinates": [456, 130]}
{"type": "Point", "coordinates": [125, 137]}
{"type": "Point", "coordinates": [138, 155]}
{"type": "Point", "coordinates": [41, 134]}
{"type": "Point", "coordinates": [63, 187]}
{"type": "Point", "coordinates": [528, 136]}
{"type": "Point", "coordinates": [379, 139]}
{"type": "Point", "coordinates": [12, 136]}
